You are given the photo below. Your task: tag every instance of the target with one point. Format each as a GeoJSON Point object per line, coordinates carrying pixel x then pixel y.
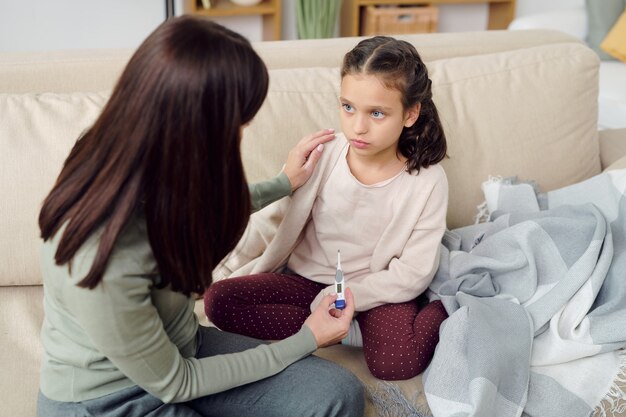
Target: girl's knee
{"type": "Point", "coordinates": [435, 311]}
{"type": "Point", "coordinates": [396, 364]}
{"type": "Point", "coordinates": [216, 301]}
{"type": "Point", "coordinates": [397, 371]}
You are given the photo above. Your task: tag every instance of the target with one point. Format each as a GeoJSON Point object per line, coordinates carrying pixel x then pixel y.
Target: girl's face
{"type": "Point", "coordinates": [372, 116]}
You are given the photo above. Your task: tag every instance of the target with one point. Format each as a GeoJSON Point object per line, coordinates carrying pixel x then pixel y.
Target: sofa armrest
{"type": "Point", "coordinates": [612, 146]}
{"type": "Point", "coordinates": [571, 21]}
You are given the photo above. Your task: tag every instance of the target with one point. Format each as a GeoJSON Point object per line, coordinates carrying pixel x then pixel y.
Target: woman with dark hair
{"type": "Point", "coordinates": [149, 201]}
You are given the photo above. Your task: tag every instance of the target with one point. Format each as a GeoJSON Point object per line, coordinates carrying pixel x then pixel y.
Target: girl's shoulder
{"type": "Point", "coordinates": [434, 174]}
{"type": "Point", "coordinates": [431, 180]}
{"type": "Point", "coordinates": [336, 145]}
{"type": "Point", "coordinates": [332, 152]}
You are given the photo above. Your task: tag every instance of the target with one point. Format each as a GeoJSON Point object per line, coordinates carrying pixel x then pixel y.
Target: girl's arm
{"type": "Point", "coordinates": [259, 233]}
{"type": "Point", "coordinates": [410, 274]}
{"type": "Point", "coordinates": [406, 277]}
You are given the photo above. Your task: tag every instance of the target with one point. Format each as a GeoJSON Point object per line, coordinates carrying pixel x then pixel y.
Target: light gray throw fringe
{"type": "Point", "coordinates": [390, 401]}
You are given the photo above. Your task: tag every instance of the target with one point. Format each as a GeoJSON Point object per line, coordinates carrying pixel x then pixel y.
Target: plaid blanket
{"type": "Point", "coordinates": [537, 304]}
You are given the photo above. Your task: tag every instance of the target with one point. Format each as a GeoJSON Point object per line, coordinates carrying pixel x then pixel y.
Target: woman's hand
{"type": "Point", "coordinates": [328, 324]}
{"type": "Point", "coordinates": [303, 157]}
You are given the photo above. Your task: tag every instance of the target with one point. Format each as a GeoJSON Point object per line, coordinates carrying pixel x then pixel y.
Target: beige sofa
{"type": "Point", "coordinates": [512, 103]}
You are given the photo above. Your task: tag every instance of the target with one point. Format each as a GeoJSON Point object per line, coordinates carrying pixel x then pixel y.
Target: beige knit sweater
{"type": "Point", "coordinates": [403, 262]}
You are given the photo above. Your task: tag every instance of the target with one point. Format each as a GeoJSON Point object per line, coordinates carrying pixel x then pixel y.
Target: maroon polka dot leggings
{"type": "Point", "coordinates": [398, 339]}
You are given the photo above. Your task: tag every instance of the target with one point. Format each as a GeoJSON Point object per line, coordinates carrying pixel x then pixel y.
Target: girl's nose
{"type": "Point", "coordinates": [360, 124]}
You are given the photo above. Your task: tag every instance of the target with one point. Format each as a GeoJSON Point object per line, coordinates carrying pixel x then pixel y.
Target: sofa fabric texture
{"type": "Point", "coordinates": [37, 133]}
{"type": "Point", "coordinates": [512, 103]}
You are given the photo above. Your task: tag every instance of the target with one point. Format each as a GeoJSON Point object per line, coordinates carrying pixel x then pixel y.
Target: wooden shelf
{"type": "Point", "coordinates": [501, 12]}
{"type": "Point", "coordinates": [269, 10]}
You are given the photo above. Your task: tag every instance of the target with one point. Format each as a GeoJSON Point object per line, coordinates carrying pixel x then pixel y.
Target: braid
{"type": "Point", "coordinates": [428, 138]}
{"type": "Point", "coordinates": [424, 143]}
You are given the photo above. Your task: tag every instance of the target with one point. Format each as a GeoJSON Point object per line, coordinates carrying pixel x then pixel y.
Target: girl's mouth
{"type": "Point", "coordinates": [359, 144]}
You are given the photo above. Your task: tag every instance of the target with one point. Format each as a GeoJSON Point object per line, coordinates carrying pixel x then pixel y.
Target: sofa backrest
{"type": "Point", "coordinates": [71, 71]}
{"type": "Point", "coordinates": [513, 103]}
{"type": "Point", "coordinates": [431, 46]}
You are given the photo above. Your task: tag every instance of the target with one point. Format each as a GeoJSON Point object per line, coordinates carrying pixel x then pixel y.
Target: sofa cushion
{"type": "Point", "coordinates": [21, 315]}
{"type": "Point", "coordinates": [612, 146]}
{"type": "Point", "coordinates": [619, 164]}
{"type": "Point", "coordinates": [432, 46]}
{"type": "Point", "coordinates": [530, 112]}
{"type": "Point", "coordinates": [64, 71]}
{"type": "Point", "coordinates": [601, 16]}
{"type": "Point", "coordinates": [36, 135]}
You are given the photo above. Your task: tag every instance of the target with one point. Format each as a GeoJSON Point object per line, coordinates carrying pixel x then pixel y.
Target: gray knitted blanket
{"type": "Point", "coordinates": [537, 304]}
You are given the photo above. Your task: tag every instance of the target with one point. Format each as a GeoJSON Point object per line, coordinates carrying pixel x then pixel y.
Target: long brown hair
{"type": "Point", "coordinates": [166, 146]}
{"type": "Point", "coordinates": [398, 65]}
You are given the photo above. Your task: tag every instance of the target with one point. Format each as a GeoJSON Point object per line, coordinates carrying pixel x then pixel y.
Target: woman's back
{"type": "Point", "coordinates": [73, 368]}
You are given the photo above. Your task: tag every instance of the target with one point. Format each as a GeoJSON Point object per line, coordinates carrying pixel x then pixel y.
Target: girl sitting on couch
{"type": "Point", "coordinates": [380, 197]}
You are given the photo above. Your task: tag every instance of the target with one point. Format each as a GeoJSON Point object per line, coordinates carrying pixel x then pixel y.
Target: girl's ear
{"type": "Point", "coordinates": [412, 114]}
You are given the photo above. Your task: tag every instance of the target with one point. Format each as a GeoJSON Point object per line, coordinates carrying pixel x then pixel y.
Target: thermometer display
{"type": "Point", "coordinates": [340, 302]}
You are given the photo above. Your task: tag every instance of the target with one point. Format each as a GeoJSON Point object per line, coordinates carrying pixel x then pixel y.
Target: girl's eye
{"type": "Point", "coordinates": [347, 107]}
{"type": "Point", "coordinates": [378, 114]}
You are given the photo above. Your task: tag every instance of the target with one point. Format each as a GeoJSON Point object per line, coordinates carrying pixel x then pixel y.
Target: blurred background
{"type": "Point", "coordinates": [37, 25]}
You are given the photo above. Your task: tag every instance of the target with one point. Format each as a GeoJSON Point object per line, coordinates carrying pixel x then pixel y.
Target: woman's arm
{"type": "Point", "coordinates": [123, 324]}
{"type": "Point", "coordinates": [300, 164]}
{"type": "Point", "coordinates": [266, 192]}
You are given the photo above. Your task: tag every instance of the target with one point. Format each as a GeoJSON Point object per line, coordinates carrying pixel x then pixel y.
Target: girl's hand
{"type": "Point", "coordinates": [328, 324]}
{"type": "Point", "coordinates": [303, 157]}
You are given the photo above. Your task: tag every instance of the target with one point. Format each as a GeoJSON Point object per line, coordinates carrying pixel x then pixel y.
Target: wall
{"type": "Point", "coordinates": [528, 7]}
{"type": "Point", "coordinates": [452, 18]}
{"type": "Point", "coordinates": [73, 24]}
{"type": "Point", "coordinates": [36, 25]}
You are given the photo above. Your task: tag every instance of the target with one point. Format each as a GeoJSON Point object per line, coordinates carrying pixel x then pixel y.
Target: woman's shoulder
{"type": "Point", "coordinates": [131, 255]}
{"type": "Point", "coordinates": [133, 245]}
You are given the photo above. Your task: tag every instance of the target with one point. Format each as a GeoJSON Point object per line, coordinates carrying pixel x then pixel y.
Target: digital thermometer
{"type": "Point", "coordinates": [340, 302]}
